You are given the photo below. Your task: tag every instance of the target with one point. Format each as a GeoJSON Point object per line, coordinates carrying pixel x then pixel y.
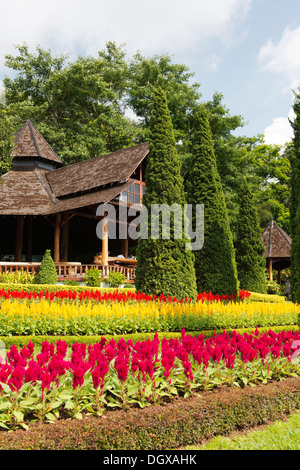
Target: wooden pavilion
{"type": "Point", "coordinates": [47, 205]}
{"type": "Point", "coordinates": [277, 245]}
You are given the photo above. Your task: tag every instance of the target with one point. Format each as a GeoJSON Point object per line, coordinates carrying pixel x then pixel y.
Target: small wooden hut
{"type": "Point", "coordinates": [277, 245]}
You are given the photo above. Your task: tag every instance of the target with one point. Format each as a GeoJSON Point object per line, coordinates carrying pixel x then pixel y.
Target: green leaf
{"type": "Point", "coordinates": [28, 402]}
{"type": "Point", "coordinates": [5, 405]}
{"type": "Point", "coordinates": [51, 417]}
{"type": "Point", "coordinates": [18, 415]}
{"type": "Point", "coordinates": [69, 405]}
{"type": "Point", "coordinates": [2, 425]}
{"type": "Point", "coordinates": [6, 388]}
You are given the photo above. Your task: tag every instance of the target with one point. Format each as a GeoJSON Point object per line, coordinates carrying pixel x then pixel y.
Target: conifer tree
{"type": "Point", "coordinates": [215, 264]}
{"type": "Point", "coordinates": [164, 264]}
{"type": "Point", "coordinates": [295, 205]}
{"type": "Point", "coordinates": [251, 263]}
{"type": "Point", "coordinates": [47, 273]}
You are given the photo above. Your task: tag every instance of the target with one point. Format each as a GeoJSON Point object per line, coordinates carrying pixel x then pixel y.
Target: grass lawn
{"type": "Point", "coordinates": [282, 435]}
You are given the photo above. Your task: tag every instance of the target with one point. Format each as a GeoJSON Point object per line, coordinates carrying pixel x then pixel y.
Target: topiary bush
{"type": "Point", "coordinates": [92, 277]}
{"type": "Point", "coordinates": [115, 279]}
{"type": "Point", "coordinates": [47, 273]}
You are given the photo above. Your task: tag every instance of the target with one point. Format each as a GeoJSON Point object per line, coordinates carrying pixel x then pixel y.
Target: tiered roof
{"type": "Point", "coordinates": [28, 142]}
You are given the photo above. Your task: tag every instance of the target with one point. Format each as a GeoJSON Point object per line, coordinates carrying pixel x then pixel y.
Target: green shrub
{"type": "Point", "coordinates": [56, 288]}
{"type": "Point", "coordinates": [18, 277]}
{"type": "Point", "coordinates": [115, 279]}
{"type": "Point", "coordinates": [273, 288]}
{"type": "Point", "coordinates": [256, 297]}
{"type": "Point", "coordinates": [92, 277]}
{"type": "Point", "coordinates": [47, 273]}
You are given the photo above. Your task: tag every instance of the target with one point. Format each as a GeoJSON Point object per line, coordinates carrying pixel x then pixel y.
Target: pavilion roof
{"type": "Point", "coordinates": [28, 142]}
{"type": "Point", "coordinates": [116, 167]}
{"type": "Point", "coordinates": [276, 241]}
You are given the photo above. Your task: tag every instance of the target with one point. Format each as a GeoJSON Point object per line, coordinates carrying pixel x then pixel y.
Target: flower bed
{"type": "Point", "coordinates": [111, 295]}
{"type": "Point", "coordinates": [59, 381]}
{"type": "Point", "coordinates": [125, 313]}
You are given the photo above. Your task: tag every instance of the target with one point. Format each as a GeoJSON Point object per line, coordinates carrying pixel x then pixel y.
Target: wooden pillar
{"type": "Point", "coordinates": [19, 238]}
{"type": "Point", "coordinates": [124, 247]}
{"type": "Point", "coordinates": [65, 241]}
{"type": "Point", "coordinates": [105, 239]}
{"type": "Point", "coordinates": [270, 269]}
{"type": "Point", "coordinates": [29, 239]}
{"type": "Point", "coordinates": [56, 254]}
{"type": "Point", "coordinates": [279, 277]}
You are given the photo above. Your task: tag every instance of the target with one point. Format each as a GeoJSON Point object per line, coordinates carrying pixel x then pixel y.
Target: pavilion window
{"type": "Point", "coordinates": [134, 193]}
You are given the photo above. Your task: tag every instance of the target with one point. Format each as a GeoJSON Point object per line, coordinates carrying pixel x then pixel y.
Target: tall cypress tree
{"type": "Point", "coordinates": [215, 263]}
{"type": "Point", "coordinates": [164, 264]}
{"type": "Point", "coordinates": [295, 205]}
{"type": "Point", "coordinates": [251, 263]}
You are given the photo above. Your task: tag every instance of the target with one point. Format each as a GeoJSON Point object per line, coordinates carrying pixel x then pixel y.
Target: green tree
{"type": "Point", "coordinates": [271, 183]}
{"type": "Point", "coordinates": [77, 106]}
{"type": "Point", "coordinates": [175, 80]}
{"type": "Point", "coordinates": [251, 263]}
{"type": "Point", "coordinates": [164, 264]}
{"type": "Point", "coordinates": [47, 273]}
{"type": "Point", "coordinates": [6, 141]}
{"type": "Point", "coordinates": [215, 263]}
{"type": "Point", "coordinates": [295, 204]}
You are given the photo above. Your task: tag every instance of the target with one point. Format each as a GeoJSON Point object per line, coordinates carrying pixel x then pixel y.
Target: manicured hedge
{"type": "Point", "coordinates": [256, 297]}
{"type": "Point", "coordinates": [57, 287]}
{"type": "Point", "coordinates": [167, 426]}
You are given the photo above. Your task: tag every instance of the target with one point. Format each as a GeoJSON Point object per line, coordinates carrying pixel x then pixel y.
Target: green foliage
{"type": "Point", "coordinates": [115, 279]}
{"type": "Point", "coordinates": [273, 295]}
{"type": "Point", "coordinates": [92, 277]}
{"type": "Point", "coordinates": [215, 264]}
{"type": "Point", "coordinates": [273, 288]}
{"type": "Point", "coordinates": [164, 265]}
{"type": "Point", "coordinates": [55, 288]}
{"type": "Point", "coordinates": [295, 205]}
{"type": "Point", "coordinates": [17, 277]}
{"type": "Point", "coordinates": [175, 80]}
{"type": "Point", "coordinates": [271, 183]}
{"type": "Point", "coordinates": [47, 273]}
{"type": "Point", "coordinates": [251, 263]}
{"type": "Point", "coordinates": [6, 141]}
{"type": "Point", "coordinates": [76, 105]}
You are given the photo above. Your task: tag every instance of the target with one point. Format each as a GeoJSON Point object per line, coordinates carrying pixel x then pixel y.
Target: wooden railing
{"type": "Point", "coordinates": [69, 270]}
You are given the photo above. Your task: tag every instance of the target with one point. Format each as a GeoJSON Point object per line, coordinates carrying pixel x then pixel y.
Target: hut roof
{"type": "Point", "coordinates": [276, 241]}
{"type": "Point", "coordinates": [28, 193]}
{"type": "Point", "coordinates": [28, 142]}
{"type": "Point", "coordinates": [23, 193]}
{"type": "Point", "coordinates": [115, 167]}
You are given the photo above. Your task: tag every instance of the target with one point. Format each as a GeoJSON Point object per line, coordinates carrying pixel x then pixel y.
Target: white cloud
{"type": "Point", "coordinates": [72, 25]}
{"type": "Point", "coordinates": [283, 58]}
{"type": "Point", "coordinates": [280, 131]}
{"type": "Point", "coordinates": [213, 62]}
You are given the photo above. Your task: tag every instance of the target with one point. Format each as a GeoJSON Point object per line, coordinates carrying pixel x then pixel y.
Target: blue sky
{"type": "Point", "coordinates": [248, 50]}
